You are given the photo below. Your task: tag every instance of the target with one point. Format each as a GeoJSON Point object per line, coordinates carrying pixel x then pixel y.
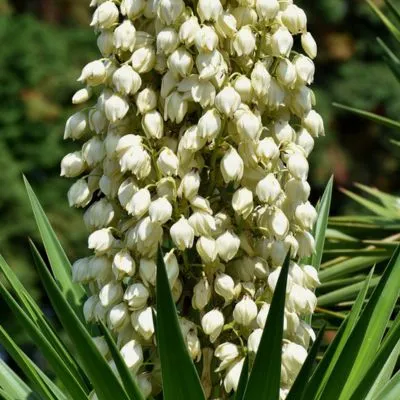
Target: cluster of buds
{"type": "Point", "coordinates": [198, 141]}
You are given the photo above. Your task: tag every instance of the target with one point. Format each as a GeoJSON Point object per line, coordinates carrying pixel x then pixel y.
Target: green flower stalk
{"type": "Point", "coordinates": [198, 140]}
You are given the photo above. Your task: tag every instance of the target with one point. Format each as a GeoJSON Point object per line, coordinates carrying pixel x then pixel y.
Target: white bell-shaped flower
{"type": "Point", "coordinates": [76, 126]}
{"type": "Point", "coordinates": [143, 59]}
{"type": "Point", "coordinates": [126, 81]}
{"type": "Point", "coordinates": [286, 72]}
{"type": "Point", "coordinates": [293, 358]}
{"type": "Point", "coordinates": [99, 215]}
{"type": "Point", "coordinates": [170, 10]}
{"type": "Point", "coordinates": [228, 101]}
{"type": "Point", "coordinates": [253, 342]}
{"type": "Point", "coordinates": [305, 69]}
{"type": "Point", "coordinates": [136, 296]}
{"type": "Point", "coordinates": [207, 249]}
{"type": "Point", "coordinates": [311, 276]}
{"type": "Point", "coordinates": [153, 125]}
{"type": "Point", "coordinates": [72, 165]}
{"type": "Point", "coordinates": [231, 381]}
{"type": "Point", "coordinates": [79, 194]}
{"type": "Point", "coordinates": [201, 294]}
{"type": "Point", "coordinates": [225, 287]}
{"type": "Point", "coordinates": [182, 234]}
{"type": "Point", "coordinates": [267, 9]}
{"type": "Point", "coordinates": [263, 315]}
{"type": "Point", "coordinates": [123, 265]}
{"type": "Point", "coordinates": [93, 151]}
{"type": "Point", "coordinates": [309, 45]}
{"type": "Point", "coordinates": [227, 353]}
{"type": "Point", "coordinates": [190, 185]}
{"type": "Point", "coordinates": [202, 223]}
{"type": "Point", "coordinates": [228, 245]}
{"type": "Point", "coordinates": [260, 79]}
{"type": "Point", "coordinates": [167, 40]}
{"type": "Point", "coordinates": [206, 39]}
{"type": "Point", "coordinates": [82, 96]}
{"type": "Point", "coordinates": [281, 42]}
{"type": "Point", "coordinates": [118, 316]}
{"type": "Point", "coordinates": [188, 31]}
{"type": "Point", "coordinates": [306, 215]}
{"type": "Point", "coordinates": [105, 43]}
{"type": "Point", "coordinates": [244, 87]}
{"type": "Point", "coordinates": [180, 62]}
{"type": "Point", "coordinates": [209, 125]}
{"type": "Point", "coordinates": [209, 10]}
{"type": "Point", "coordinates": [245, 311]}
{"type": "Point", "coordinates": [132, 354]}
{"type": "Point", "coordinates": [125, 36]}
{"type": "Point", "coordinates": [142, 322]}
{"type": "Point", "coordinates": [110, 294]}
{"type": "Point", "coordinates": [176, 108]}
{"type": "Point", "coordinates": [294, 18]}
{"type": "Point", "coordinates": [242, 202]}
{"type": "Point", "coordinates": [148, 271]}
{"type": "Point", "coordinates": [244, 41]}
{"type": "Point", "coordinates": [232, 166]}
{"type": "Point", "coordinates": [298, 166]}
{"type": "Point", "coordinates": [268, 189]}
{"type": "Point", "coordinates": [101, 241]}
{"type": "Point", "coordinates": [132, 8]}
{"type": "Point", "coordinates": [94, 73]}
{"type": "Point", "coordinates": [314, 123]}
{"type": "Point", "coordinates": [116, 107]}
{"type": "Point", "coordinates": [212, 324]}
{"type": "Point", "coordinates": [226, 25]}
{"type": "Point", "coordinates": [160, 210]}
{"type": "Point", "coordinates": [105, 15]}
{"type": "Point", "coordinates": [249, 125]}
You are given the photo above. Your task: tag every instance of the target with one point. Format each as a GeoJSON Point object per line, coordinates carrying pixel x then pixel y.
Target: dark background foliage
{"type": "Point", "coordinates": [45, 43]}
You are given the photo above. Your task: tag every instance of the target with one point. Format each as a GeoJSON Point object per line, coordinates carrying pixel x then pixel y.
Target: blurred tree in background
{"type": "Point", "coordinates": [45, 43]}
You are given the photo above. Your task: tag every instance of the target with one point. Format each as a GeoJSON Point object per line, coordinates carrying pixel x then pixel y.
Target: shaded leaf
{"type": "Point", "coordinates": [180, 378]}
{"type": "Point", "coordinates": [58, 260]}
{"type": "Point", "coordinates": [95, 366]}
{"type": "Point", "coordinates": [127, 379]}
{"type": "Point", "coordinates": [265, 375]}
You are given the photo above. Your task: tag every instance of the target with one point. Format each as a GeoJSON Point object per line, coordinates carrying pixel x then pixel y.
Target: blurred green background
{"type": "Point", "coordinates": [45, 43]}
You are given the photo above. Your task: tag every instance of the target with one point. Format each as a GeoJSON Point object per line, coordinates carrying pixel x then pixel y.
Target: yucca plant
{"type": "Point", "coordinates": [205, 246]}
{"type": "Point", "coordinates": [358, 364]}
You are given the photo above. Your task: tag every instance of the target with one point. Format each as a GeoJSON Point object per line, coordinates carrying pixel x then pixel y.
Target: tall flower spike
{"type": "Point", "coordinates": [199, 138]}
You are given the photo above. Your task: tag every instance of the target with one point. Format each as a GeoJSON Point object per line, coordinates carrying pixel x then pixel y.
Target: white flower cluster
{"type": "Point", "coordinates": [198, 140]}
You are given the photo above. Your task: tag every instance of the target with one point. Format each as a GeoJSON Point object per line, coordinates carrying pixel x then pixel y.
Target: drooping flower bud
{"type": "Point", "coordinates": [110, 294]}
{"type": "Point", "coordinates": [132, 354]}
{"type": "Point", "coordinates": [309, 45]}
{"type": "Point", "coordinates": [136, 296]}
{"type": "Point", "coordinates": [201, 294]}
{"type": "Point", "coordinates": [118, 316]}
{"type": "Point", "coordinates": [245, 311]}
{"type": "Point", "coordinates": [225, 287]}
{"type": "Point", "coordinates": [212, 324]}
{"type": "Point", "coordinates": [227, 101]}
{"type": "Point", "coordinates": [142, 321]}
{"type": "Point", "coordinates": [228, 245]}
{"type": "Point", "coordinates": [123, 265]}
{"type": "Point", "coordinates": [232, 377]}
{"type": "Point", "coordinates": [242, 202]}
{"type": "Point", "coordinates": [125, 36]}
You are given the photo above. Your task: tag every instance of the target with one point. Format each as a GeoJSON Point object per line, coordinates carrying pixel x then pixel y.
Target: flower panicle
{"type": "Point", "coordinates": [199, 126]}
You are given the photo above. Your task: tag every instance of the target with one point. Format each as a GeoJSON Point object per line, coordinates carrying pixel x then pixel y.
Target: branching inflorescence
{"type": "Point", "coordinates": [198, 141]}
